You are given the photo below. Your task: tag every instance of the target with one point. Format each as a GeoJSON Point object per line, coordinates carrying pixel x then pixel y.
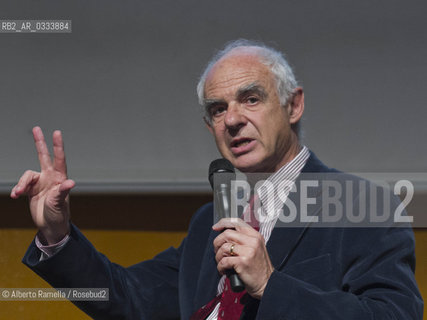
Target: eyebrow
{"type": "Point", "coordinates": [252, 88]}
{"type": "Point", "coordinates": [210, 103]}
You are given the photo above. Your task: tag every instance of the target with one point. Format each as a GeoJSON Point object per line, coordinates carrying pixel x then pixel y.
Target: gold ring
{"type": "Point", "coordinates": [232, 253]}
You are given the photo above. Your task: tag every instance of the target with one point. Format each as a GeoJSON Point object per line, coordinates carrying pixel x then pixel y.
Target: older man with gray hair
{"type": "Point", "coordinates": [253, 108]}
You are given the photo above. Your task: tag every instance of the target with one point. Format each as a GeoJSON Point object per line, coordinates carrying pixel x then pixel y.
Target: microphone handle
{"type": "Point", "coordinates": [236, 283]}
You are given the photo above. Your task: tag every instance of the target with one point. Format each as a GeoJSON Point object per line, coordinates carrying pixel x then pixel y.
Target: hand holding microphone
{"type": "Point", "coordinates": [240, 250]}
{"type": "Point", "coordinates": [224, 174]}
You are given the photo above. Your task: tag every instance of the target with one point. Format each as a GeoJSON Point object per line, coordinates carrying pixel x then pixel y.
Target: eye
{"type": "Point", "coordinates": [252, 100]}
{"type": "Point", "coordinates": [217, 110]}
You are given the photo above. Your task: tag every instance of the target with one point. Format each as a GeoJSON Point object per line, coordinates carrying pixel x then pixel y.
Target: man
{"type": "Point", "coordinates": [253, 109]}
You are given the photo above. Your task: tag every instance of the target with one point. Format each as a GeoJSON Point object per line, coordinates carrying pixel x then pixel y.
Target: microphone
{"type": "Point", "coordinates": [224, 174]}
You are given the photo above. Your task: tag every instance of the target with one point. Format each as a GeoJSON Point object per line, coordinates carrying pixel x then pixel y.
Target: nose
{"type": "Point", "coordinates": [234, 117]}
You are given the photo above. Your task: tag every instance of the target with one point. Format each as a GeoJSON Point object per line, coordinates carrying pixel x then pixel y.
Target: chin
{"type": "Point", "coordinates": [247, 164]}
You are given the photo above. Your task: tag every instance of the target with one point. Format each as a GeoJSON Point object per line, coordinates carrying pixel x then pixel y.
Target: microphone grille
{"type": "Point", "coordinates": [219, 165]}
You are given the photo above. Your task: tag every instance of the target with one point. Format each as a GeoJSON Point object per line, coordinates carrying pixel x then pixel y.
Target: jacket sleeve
{"type": "Point", "coordinates": [377, 283]}
{"type": "Point", "coordinates": [147, 290]}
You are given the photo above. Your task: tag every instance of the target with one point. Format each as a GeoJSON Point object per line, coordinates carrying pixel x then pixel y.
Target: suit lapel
{"type": "Point", "coordinates": [209, 276]}
{"type": "Point", "coordinates": [285, 238]}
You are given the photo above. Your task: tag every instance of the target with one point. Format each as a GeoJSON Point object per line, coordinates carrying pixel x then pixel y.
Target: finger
{"type": "Point", "coordinates": [221, 239]}
{"type": "Point", "coordinates": [229, 263]}
{"type": "Point", "coordinates": [28, 179]}
{"type": "Point", "coordinates": [42, 151]}
{"type": "Point", "coordinates": [65, 188]}
{"type": "Point", "coordinates": [231, 236]}
{"type": "Point", "coordinates": [234, 223]}
{"type": "Point", "coordinates": [227, 250]}
{"type": "Point", "coordinates": [59, 162]}
{"type": "Point", "coordinates": [58, 199]}
{"type": "Point", "coordinates": [227, 223]}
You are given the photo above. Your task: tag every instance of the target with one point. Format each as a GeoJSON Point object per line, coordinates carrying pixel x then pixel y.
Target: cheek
{"type": "Point", "coordinates": [275, 133]}
{"type": "Point", "coordinates": [219, 139]}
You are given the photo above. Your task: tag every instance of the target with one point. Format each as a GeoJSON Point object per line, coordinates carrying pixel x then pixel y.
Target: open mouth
{"type": "Point", "coordinates": [241, 142]}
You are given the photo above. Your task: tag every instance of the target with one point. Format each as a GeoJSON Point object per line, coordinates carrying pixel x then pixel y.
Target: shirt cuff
{"type": "Point", "coordinates": [50, 250]}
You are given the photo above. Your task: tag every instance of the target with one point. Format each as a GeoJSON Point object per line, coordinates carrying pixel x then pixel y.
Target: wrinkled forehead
{"type": "Point", "coordinates": [235, 70]}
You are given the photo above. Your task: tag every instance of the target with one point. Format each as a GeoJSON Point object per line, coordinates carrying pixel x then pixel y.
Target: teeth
{"type": "Point", "coordinates": [243, 143]}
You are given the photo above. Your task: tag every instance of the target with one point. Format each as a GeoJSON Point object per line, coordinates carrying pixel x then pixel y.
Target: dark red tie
{"type": "Point", "coordinates": [249, 215]}
{"type": "Point", "coordinates": [206, 310]}
{"type": "Point", "coordinates": [232, 303]}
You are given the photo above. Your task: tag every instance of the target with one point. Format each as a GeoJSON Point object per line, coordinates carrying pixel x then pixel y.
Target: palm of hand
{"type": "Point", "coordinates": [48, 190]}
{"type": "Point", "coordinates": [46, 206]}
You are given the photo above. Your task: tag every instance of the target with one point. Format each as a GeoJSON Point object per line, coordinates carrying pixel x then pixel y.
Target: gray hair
{"type": "Point", "coordinates": [273, 59]}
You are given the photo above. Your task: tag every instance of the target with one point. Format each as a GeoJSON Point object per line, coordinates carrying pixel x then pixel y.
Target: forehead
{"type": "Point", "coordinates": [235, 71]}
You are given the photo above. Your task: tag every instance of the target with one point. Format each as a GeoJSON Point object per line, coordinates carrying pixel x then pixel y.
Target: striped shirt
{"type": "Point", "coordinates": [284, 178]}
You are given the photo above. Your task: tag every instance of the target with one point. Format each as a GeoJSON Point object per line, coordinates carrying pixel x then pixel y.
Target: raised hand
{"type": "Point", "coordinates": [48, 190]}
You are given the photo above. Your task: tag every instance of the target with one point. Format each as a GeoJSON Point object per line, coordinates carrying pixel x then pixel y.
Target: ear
{"type": "Point", "coordinates": [208, 125]}
{"type": "Point", "coordinates": [296, 106]}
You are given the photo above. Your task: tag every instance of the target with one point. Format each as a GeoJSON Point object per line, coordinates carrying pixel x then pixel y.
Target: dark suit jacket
{"type": "Point", "coordinates": [320, 273]}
